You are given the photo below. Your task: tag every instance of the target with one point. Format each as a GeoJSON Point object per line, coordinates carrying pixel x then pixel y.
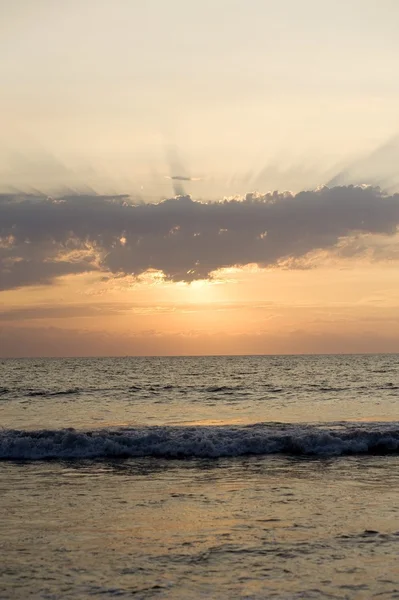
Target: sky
{"type": "Point", "coordinates": [214, 177]}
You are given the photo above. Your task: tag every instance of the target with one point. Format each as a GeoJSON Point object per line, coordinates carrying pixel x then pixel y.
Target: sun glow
{"type": "Point", "coordinates": [201, 291]}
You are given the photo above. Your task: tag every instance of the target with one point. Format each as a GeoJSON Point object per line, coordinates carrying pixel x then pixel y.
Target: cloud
{"type": "Point", "coordinates": [53, 341]}
{"type": "Point", "coordinates": [43, 238]}
{"type": "Point", "coordinates": [107, 309]}
{"type": "Point", "coordinates": [182, 178]}
{"type": "Point", "coordinates": [67, 311]}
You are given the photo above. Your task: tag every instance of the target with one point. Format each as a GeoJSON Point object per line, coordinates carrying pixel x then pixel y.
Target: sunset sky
{"type": "Point", "coordinates": [280, 120]}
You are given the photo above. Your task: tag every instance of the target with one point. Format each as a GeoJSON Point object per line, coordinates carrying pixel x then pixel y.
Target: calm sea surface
{"type": "Point", "coordinates": [216, 477]}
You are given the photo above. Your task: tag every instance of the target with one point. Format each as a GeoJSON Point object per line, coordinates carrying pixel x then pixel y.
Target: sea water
{"type": "Point", "coordinates": [211, 477]}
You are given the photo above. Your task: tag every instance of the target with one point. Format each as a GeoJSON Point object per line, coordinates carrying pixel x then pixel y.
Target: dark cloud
{"type": "Point", "coordinates": [43, 238]}
{"type": "Point", "coordinates": [182, 178]}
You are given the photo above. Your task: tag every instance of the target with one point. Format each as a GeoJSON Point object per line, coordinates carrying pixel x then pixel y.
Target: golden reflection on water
{"type": "Point", "coordinates": [270, 526]}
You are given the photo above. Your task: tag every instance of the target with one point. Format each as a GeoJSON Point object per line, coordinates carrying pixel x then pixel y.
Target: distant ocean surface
{"type": "Point", "coordinates": [200, 477]}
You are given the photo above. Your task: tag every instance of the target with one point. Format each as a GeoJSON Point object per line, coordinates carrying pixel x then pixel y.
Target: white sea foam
{"type": "Point", "coordinates": [201, 441]}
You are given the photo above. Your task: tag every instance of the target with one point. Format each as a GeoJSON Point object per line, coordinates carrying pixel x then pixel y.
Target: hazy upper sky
{"type": "Point", "coordinates": [93, 91]}
{"type": "Point", "coordinates": [236, 98]}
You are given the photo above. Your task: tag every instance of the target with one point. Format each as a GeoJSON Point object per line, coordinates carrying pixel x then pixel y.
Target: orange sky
{"type": "Point", "coordinates": [345, 307]}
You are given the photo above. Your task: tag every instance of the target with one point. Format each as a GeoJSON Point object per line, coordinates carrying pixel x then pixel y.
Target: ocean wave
{"type": "Point", "coordinates": [220, 388]}
{"type": "Point", "coordinates": [201, 441]}
{"type": "Point", "coordinates": [389, 386]}
{"type": "Point", "coordinates": [212, 389]}
{"type": "Point", "coordinates": [67, 392]}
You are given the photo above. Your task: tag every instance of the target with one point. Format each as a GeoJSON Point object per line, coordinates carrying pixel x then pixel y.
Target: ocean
{"type": "Point", "coordinates": [200, 477]}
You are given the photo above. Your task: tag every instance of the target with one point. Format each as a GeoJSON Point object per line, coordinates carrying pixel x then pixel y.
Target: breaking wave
{"type": "Point", "coordinates": [201, 441]}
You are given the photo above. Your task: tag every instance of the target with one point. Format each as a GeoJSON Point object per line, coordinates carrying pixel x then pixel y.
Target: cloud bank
{"type": "Point", "coordinates": [43, 238]}
{"type": "Point", "coordinates": [53, 341]}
